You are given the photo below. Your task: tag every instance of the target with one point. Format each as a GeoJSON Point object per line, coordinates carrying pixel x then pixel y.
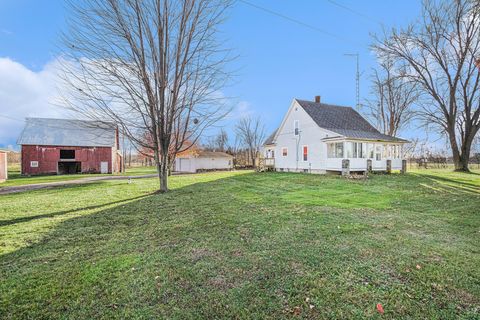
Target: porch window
{"type": "Point", "coordinates": [339, 150]}
{"type": "Point", "coordinates": [370, 150]}
{"type": "Point", "coordinates": [396, 151]}
{"type": "Point", "coordinates": [335, 150]}
{"type": "Point", "coordinates": [305, 153]}
{"type": "Point", "coordinates": [378, 152]}
{"type": "Point", "coordinates": [284, 151]}
{"type": "Point", "coordinates": [355, 150]}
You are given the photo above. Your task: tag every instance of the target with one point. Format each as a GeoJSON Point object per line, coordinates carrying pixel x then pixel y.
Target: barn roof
{"type": "Point", "coordinates": [67, 132]}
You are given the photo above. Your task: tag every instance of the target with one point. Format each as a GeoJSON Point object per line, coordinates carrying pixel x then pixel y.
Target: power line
{"type": "Point", "coordinates": [10, 118]}
{"type": "Point", "coordinates": [354, 11]}
{"type": "Point", "coordinates": [301, 23]}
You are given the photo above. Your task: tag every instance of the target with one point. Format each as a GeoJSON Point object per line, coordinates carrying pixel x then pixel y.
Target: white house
{"type": "Point", "coordinates": [317, 137]}
{"type": "Point", "coordinates": [204, 161]}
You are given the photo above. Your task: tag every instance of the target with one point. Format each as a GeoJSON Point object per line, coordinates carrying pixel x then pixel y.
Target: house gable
{"type": "Point", "coordinates": [309, 135]}
{"type": "Point", "coordinates": [295, 106]}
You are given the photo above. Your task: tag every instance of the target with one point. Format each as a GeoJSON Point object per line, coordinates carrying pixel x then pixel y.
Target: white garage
{"type": "Point", "coordinates": [204, 161]}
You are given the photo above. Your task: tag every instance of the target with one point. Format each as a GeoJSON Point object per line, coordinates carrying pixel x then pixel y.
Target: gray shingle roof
{"type": "Point", "coordinates": [269, 140]}
{"type": "Point", "coordinates": [65, 132]}
{"type": "Point", "coordinates": [343, 120]}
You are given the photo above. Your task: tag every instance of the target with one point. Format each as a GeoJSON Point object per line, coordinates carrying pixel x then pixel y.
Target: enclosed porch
{"type": "Point", "coordinates": [361, 156]}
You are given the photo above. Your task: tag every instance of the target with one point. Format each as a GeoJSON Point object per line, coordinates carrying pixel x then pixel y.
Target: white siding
{"type": "Point", "coordinates": [309, 135]}
{"type": "Point", "coordinates": [194, 164]}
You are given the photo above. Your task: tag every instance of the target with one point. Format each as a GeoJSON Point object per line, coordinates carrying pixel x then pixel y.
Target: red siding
{"type": "Point", "coordinates": [49, 156]}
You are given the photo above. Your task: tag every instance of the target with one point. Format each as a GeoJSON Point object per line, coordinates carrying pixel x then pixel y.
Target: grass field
{"type": "Point", "coordinates": [16, 179]}
{"type": "Point", "coordinates": [245, 245]}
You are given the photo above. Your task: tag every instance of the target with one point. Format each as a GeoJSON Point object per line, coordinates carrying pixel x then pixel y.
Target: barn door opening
{"type": "Point", "coordinates": [69, 167]}
{"type": "Point", "coordinates": [103, 167]}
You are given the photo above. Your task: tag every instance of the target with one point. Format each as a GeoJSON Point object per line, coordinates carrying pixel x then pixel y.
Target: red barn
{"type": "Point", "coordinates": [61, 146]}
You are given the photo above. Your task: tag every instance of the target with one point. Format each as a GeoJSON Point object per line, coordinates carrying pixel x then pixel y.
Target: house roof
{"type": "Point", "coordinates": [66, 132]}
{"type": "Point", "coordinates": [270, 139]}
{"type": "Point", "coordinates": [213, 154]}
{"type": "Point", "coordinates": [344, 121]}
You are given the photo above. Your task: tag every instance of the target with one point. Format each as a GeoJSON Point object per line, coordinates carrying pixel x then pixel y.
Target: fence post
{"type": "Point", "coordinates": [345, 167]}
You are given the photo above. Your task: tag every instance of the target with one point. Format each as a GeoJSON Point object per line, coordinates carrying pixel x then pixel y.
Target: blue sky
{"type": "Point", "coordinates": [278, 59]}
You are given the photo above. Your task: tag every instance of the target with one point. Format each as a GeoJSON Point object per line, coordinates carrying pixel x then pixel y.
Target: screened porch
{"type": "Point", "coordinates": [360, 152]}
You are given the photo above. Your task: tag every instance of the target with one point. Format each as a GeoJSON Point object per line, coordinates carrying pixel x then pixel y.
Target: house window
{"type": "Point", "coordinates": [355, 150]}
{"type": "Point", "coordinates": [371, 151]}
{"type": "Point", "coordinates": [397, 151]}
{"type": "Point", "coordinates": [335, 150]}
{"type": "Point", "coordinates": [284, 151]}
{"type": "Point", "coordinates": [296, 127]}
{"type": "Point", "coordinates": [273, 153]}
{"type": "Point", "coordinates": [349, 149]}
{"type": "Point", "coordinates": [363, 150]}
{"type": "Point", "coordinates": [339, 150]}
{"type": "Point", "coordinates": [378, 152]}
{"type": "Point", "coordinates": [67, 154]}
{"type": "Point", "coordinates": [305, 153]}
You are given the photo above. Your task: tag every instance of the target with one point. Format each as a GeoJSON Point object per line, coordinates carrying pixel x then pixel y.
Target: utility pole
{"type": "Point", "coordinates": [357, 78]}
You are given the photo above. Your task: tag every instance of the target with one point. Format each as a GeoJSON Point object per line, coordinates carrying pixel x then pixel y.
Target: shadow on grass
{"type": "Point", "coordinates": [60, 213]}
{"type": "Point", "coordinates": [199, 247]}
{"type": "Point", "coordinates": [457, 185]}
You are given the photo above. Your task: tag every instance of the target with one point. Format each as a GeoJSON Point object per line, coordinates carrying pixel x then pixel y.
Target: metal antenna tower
{"type": "Point", "coordinates": [357, 79]}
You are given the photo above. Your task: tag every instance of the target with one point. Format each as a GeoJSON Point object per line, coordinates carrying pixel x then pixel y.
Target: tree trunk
{"type": "Point", "coordinates": [159, 167]}
{"type": "Point", "coordinates": [163, 174]}
{"type": "Point", "coordinates": [465, 154]}
{"type": "Point", "coordinates": [460, 158]}
{"type": "Point", "coordinates": [462, 164]}
{"type": "Point", "coordinates": [164, 178]}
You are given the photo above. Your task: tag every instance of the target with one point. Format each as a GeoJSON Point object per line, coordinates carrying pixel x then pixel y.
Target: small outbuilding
{"type": "Point", "coordinates": [204, 161]}
{"type": "Point", "coordinates": [64, 146]}
{"type": "Point", "coordinates": [3, 165]}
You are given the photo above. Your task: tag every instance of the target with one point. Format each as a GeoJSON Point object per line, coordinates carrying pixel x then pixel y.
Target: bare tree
{"type": "Point", "coordinates": [394, 96]}
{"type": "Point", "coordinates": [442, 52]}
{"type": "Point", "coordinates": [219, 142]}
{"type": "Point", "coordinates": [251, 134]}
{"type": "Point", "coordinates": [153, 67]}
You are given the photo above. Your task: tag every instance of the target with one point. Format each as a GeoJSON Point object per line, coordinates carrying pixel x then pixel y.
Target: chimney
{"type": "Point", "coordinates": [317, 99]}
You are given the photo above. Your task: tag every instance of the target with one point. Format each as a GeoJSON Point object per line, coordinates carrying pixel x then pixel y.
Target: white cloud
{"type": "Point", "coordinates": [6, 32]}
{"type": "Point", "coordinates": [241, 110]}
{"type": "Point", "coordinates": [25, 93]}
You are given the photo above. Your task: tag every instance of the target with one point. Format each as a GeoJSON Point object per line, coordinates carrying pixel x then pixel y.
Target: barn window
{"type": "Point", "coordinates": [67, 154]}
{"type": "Point", "coordinates": [305, 153]}
{"type": "Point", "coordinates": [295, 126]}
{"type": "Point", "coordinates": [284, 151]}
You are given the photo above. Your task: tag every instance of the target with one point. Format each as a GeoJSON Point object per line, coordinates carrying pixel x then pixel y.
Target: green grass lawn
{"type": "Point", "coordinates": [16, 179]}
{"type": "Point", "coordinates": [245, 245]}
